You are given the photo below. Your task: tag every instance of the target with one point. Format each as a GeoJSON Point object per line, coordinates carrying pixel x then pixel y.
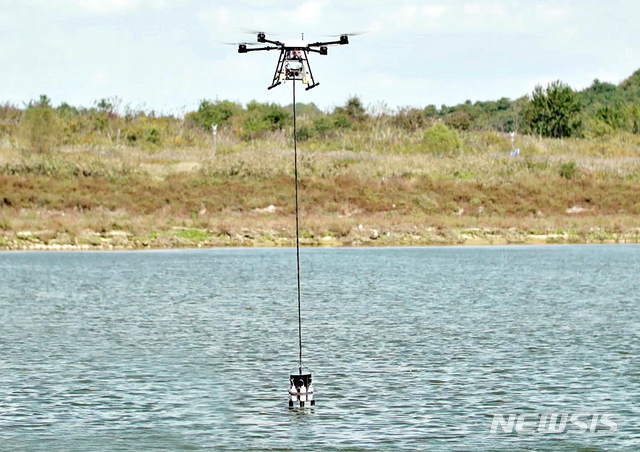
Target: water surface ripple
{"type": "Point", "coordinates": [410, 348]}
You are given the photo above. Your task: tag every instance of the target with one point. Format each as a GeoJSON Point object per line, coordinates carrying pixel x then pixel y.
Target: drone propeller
{"type": "Point", "coordinates": [257, 32]}
{"type": "Point", "coordinates": [357, 33]}
{"type": "Point", "coordinates": [242, 43]}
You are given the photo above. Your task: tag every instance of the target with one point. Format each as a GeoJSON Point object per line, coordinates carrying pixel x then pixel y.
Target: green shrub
{"type": "Point", "coordinates": [152, 135]}
{"type": "Point", "coordinates": [440, 140]}
{"type": "Point", "coordinates": [9, 119]}
{"type": "Point", "coordinates": [322, 125]}
{"type": "Point", "coordinates": [341, 121]}
{"type": "Point", "coordinates": [534, 165]}
{"type": "Point", "coordinates": [131, 137]}
{"type": "Point", "coordinates": [40, 128]}
{"type": "Point", "coordinates": [261, 118]}
{"type": "Point", "coordinates": [275, 116]}
{"type": "Point", "coordinates": [569, 170]}
{"type": "Point", "coordinates": [195, 235]}
{"type": "Point", "coordinates": [210, 113]}
{"type": "Point", "coordinates": [253, 125]}
{"type": "Point", "coordinates": [305, 132]}
{"type": "Point", "coordinates": [597, 128]}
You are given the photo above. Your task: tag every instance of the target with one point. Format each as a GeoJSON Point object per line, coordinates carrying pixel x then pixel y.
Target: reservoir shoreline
{"type": "Point", "coordinates": [183, 238]}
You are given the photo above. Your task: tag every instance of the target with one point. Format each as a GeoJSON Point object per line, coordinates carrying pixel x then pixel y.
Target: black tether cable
{"type": "Point", "coordinates": [295, 157]}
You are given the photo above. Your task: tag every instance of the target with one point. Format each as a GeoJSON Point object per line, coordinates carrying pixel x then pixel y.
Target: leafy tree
{"type": "Point", "coordinates": [410, 118]}
{"type": "Point", "coordinates": [553, 111]}
{"type": "Point", "coordinates": [444, 110]}
{"type": "Point", "coordinates": [43, 102]}
{"type": "Point", "coordinates": [599, 93]}
{"type": "Point", "coordinates": [109, 106]}
{"type": "Point", "coordinates": [261, 118]}
{"type": "Point", "coordinates": [218, 112]}
{"type": "Point", "coordinates": [504, 104]}
{"type": "Point", "coordinates": [614, 116]}
{"type": "Point", "coordinates": [459, 120]}
{"type": "Point", "coordinates": [431, 111]}
{"type": "Point", "coordinates": [66, 110]}
{"type": "Point", "coordinates": [272, 115]}
{"type": "Point", "coordinates": [631, 87]}
{"type": "Point", "coordinates": [354, 110]}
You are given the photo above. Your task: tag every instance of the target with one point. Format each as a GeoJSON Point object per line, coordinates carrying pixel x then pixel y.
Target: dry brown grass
{"type": "Point", "coordinates": [89, 192]}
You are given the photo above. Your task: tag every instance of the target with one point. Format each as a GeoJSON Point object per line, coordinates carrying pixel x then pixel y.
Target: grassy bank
{"type": "Point", "coordinates": [353, 192]}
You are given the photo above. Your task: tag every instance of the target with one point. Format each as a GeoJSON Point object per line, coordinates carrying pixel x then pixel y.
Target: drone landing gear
{"type": "Point", "coordinates": [293, 64]}
{"type": "Point", "coordinates": [278, 83]}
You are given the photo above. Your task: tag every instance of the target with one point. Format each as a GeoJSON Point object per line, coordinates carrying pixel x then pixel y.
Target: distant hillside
{"type": "Point", "coordinates": [608, 94]}
{"type": "Point", "coordinates": [631, 87]}
{"type": "Point", "coordinates": [601, 109]}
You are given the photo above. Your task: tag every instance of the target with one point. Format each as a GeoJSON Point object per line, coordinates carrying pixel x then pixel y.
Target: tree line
{"type": "Point", "coordinates": [555, 111]}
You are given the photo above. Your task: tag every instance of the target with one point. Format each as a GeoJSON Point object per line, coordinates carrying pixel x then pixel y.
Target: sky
{"type": "Point", "coordinates": [168, 55]}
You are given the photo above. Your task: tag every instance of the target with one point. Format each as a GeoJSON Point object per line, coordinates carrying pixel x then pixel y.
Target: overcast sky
{"type": "Point", "coordinates": [169, 54]}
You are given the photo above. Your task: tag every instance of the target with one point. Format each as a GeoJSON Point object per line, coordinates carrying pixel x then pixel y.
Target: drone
{"type": "Point", "coordinates": [293, 63]}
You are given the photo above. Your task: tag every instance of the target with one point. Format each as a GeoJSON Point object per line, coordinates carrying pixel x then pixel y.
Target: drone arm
{"type": "Point", "coordinates": [344, 39]}
{"type": "Point", "coordinates": [318, 44]}
{"type": "Point", "coordinates": [243, 49]}
{"type": "Point", "coordinates": [275, 43]}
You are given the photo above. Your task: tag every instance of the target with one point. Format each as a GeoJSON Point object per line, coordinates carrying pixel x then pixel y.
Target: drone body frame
{"type": "Point", "coordinates": [293, 63]}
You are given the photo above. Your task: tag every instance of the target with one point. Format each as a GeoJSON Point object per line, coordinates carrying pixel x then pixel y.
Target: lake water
{"type": "Point", "coordinates": [410, 348]}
